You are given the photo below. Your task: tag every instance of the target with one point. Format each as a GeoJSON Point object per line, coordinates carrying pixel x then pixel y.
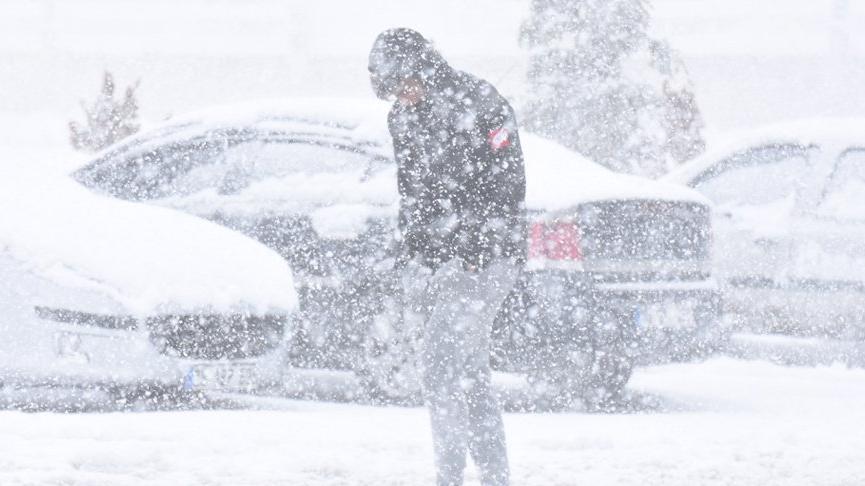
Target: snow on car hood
{"type": "Point", "coordinates": [558, 178]}
{"type": "Point", "coordinates": [149, 259]}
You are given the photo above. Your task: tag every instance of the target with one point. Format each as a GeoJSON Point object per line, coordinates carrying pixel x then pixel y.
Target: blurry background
{"type": "Point", "coordinates": [750, 62]}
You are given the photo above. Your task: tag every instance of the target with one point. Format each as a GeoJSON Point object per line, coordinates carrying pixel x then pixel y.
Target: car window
{"type": "Point", "coordinates": [257, 160]}
{"type": "Point", "coordinates": [756, 176]}
{"type": "Point", "coordinates": [279, 158]}
{"type": "Point", "coordinates": [843, 195]}
{"type": "Point", "coordinates": [171, 163]}
{"type": "Point", "coordinates": [150, 172]}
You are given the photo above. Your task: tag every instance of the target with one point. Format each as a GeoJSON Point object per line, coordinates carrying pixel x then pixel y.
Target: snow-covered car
{"type": "Point", "coordinates": [618, 270]}
{"type": "Point", "coordinates": [790, 225]}
{"type": "Point", "coordinates": [130, 299]}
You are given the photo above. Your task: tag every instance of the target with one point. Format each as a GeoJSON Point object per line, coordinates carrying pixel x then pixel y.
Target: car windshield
{"type": "Point", "coordinates": [757, 176]}
{"type": "Point", "coordinates": [843, 195]}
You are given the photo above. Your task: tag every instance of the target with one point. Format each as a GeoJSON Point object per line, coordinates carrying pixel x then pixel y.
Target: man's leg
{"type": "Point", "coordinates": [487, 433]}
{"type": "Point", "coordinates": [463, 409]}
{"type": "Point", "coordinates": [444, 355]}
{"type": "Point", "coordinates": [486, 429]}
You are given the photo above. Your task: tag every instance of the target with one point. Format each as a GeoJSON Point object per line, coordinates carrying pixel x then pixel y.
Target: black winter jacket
{"type": "Point", "coordinates": [460, 173]}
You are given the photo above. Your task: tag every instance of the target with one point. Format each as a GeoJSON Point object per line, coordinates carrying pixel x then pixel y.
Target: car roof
{"type": "Point", "coordinates": [350, 119]}
{"type": "Point", "coordinates": [828, 133]}
{"type": "Point", "coordinates": [149, 259]}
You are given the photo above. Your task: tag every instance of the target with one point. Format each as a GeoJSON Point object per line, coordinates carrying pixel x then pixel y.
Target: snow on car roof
{"type": "Point", "coordinates": [354, 114]}
{"type": "Point", "coordinates": [352, 118]}
{"type": "Point", "coordinates": [821, 132]}
{"type": "Point", "coordinates": [149, 259]}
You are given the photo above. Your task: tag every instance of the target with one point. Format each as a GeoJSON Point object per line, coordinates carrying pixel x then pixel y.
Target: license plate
{"type": "Point", "coordinates": [666, 315]}
{"type": "Point", "coordinates": [221, 377]}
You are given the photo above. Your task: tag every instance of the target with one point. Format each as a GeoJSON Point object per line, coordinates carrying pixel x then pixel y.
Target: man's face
{"type": "Point", "coordinates": [410, 92]}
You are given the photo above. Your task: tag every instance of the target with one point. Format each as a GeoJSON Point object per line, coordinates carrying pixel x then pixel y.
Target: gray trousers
{"type": "Point", "coordinates": [459, 308]}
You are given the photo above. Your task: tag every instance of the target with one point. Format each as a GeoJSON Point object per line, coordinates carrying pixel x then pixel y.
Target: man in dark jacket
{"type": "Point", "coordinates": [462, 220]}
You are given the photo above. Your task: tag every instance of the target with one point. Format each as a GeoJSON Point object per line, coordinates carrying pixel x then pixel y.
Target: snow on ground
{"type": "Point", "coordinates": [721, 422]}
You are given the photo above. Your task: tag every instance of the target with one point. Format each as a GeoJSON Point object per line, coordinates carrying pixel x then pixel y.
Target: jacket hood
{"type": "Point", "coordinates": [399, 54]}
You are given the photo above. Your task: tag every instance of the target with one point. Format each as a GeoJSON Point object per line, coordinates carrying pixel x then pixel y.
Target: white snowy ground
{"type": "Point", "coordinates": [721, 422]}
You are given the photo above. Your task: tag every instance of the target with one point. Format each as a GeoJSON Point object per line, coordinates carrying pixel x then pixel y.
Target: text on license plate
{"type": "Point", "coordinates": [222, 376]}
{"type": "Point", "coordinates": [671, 315]}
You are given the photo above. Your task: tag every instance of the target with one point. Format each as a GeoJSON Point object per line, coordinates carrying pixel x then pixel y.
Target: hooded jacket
{"type": "Point", "coordinates": [461, 176]}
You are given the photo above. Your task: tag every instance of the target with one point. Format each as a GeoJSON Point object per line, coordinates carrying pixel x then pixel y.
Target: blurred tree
{"type": "Point", "coordinates": [601, 86]}
{"type": "Point", "coordinates": [107, 120]}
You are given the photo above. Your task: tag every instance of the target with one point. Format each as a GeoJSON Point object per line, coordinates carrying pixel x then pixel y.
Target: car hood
{"type": "Point", "coordinates": [149, 259]}
{"type": "Point", "coordinates": [558, 178]}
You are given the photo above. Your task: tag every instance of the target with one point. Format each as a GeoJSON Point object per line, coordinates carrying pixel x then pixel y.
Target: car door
{"type": "Point", "coordinates": [756, 195]}
{"type": "Point", "coordinates": [829, 256]}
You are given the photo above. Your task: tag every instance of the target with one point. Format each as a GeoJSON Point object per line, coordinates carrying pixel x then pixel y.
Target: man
{"type": "Point", "coordinates": [462, 221]}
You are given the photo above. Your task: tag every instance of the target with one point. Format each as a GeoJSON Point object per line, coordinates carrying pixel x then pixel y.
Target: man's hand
{"type": "Point", "coordinates": [402, 253]}
{"type": "Point", "coordinates": [468, 267]}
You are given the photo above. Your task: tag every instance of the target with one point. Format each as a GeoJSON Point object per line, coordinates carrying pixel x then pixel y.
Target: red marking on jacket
{"type": "Point", "coordinates": [499, 138]}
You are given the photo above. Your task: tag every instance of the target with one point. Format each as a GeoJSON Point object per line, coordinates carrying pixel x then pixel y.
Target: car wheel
{"type": "Point", "coordinates": [592, 372]}
{"type": "Point", "coordinates": [610, 373]}
{"type": "Point", "coordinates": [389, 370]}
{"type": "Point", "coordinates": [613, 359]}
{"type": "Point", "coordinates": [561, 381]}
